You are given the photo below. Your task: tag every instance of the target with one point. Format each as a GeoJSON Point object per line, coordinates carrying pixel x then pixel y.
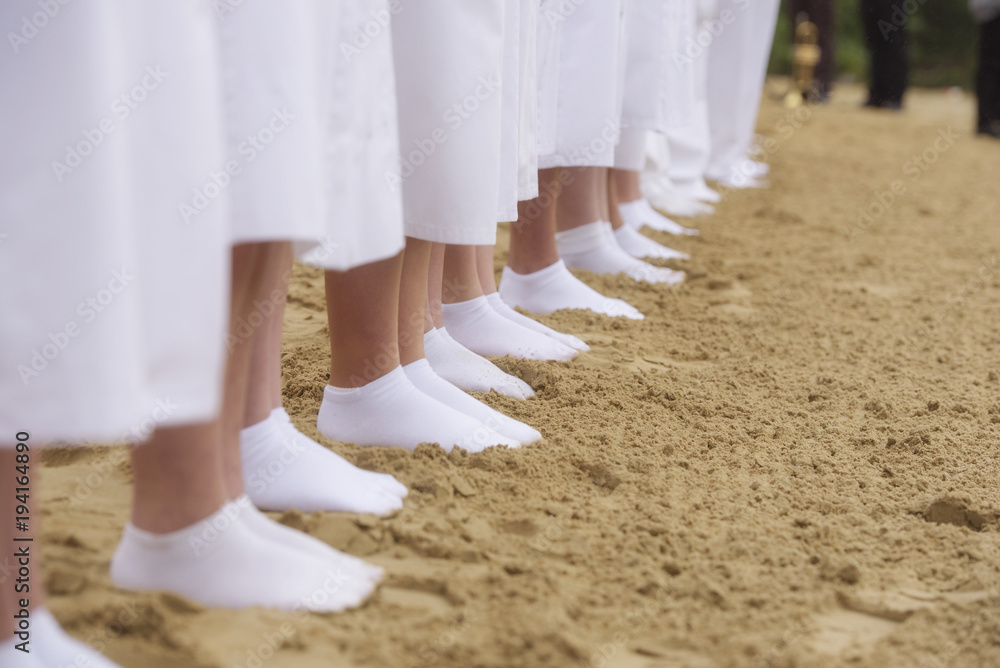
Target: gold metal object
{"type": "Point", "coordinates": [805, 57]}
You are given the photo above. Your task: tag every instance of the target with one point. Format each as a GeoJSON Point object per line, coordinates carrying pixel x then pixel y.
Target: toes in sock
{"type": "Point", "coordinates": [501, 307]}
{"type": "Point", "coordinates": [482, 330]}
{"type": "Point", "coordinates": [276, 532]}
{"type": "Point", "coordinates": [554, 288]}
{"type": "Point", "coordinates": [640, 213]}
{"type": "Point", "coordinates": [636, 244]}
{"type": "Point", "coordinates": [391, 412]}
{"type": "Point", "coordinates": [593, 247]}
{"type": "Point", "coordinates": [468, 371]}
{"type": "Point", "coordinates": [222, 562]}
{"type": "Point", "coordinates": [422, 375]}
{"type": "Point", "coordinates": [284, 469]}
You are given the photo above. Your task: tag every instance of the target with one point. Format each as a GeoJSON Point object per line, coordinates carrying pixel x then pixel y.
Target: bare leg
{"type": "Point", "coordinates": [614, 215]}
{"type": "Point", "coordinates": [264, 390]}
{"type": "Point", "coordinates": [362, 305]}
{"type": "Point", "coordinates": [627, 184]}
{"type": "Point", "coordinates": [435, 279]}
{"type": "Point", "coordinates": [252, 263]}
{"type": "Point", "coordinates": [484, 268]}
{"type": "Point", "coordinates": [533, 235]}
{"type": "Point", "coordinates": [583, 199]}
{"type": "Point", "coordinates": [461, 275]}
{"type": "Point", "coordinates": [413, 299]}
{"type": "Point", "coordinates": [177, 478]}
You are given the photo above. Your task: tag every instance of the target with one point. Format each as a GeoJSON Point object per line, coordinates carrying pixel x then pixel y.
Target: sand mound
{"type": "Point", "coordinates": [791, 462]}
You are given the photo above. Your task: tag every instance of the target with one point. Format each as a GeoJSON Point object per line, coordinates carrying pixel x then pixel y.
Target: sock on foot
{"type": "Point", "coordinates": [593, 247]}
{"type": "Point", "coordinates": [638, 245]}
{"type": "Point", "coordinates": [422, 375]}
{"type": "Point", "coordinates": [699, 190]}
{"type": "Point", "coordinates": [391, 412]}
{"type": "Point", "coordinates": [468, 371]}
{"type": "Point", "coordinates": [501, 307]}
{"type": "Point", "coordinates": [222, 562]}
{"type": "Point", "coordinates": [482, 330]}
{"type": "Point", "coordinates": [554, 288]}
{"type": "Point", "coordinates": [678, 204]}
{"type": "Point", "coordinates": [640, 213]}
{"type": "Point", "coordinates": [387, 481]}
{"type": "Point", "coordinates": [284, 469]}
{"type": "Point", "coordinates": [277, 532]}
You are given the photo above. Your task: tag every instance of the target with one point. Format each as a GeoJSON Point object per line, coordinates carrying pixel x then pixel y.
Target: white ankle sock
{"type": "Point", "coordinates": [391, 412]}
{"type": "Point", "coordinates": [554, 288]}
{"type": "Point", "coordinates": [501, 307]}
{"type": "Point", "coordinates": [422, 375]}
{"type": "Point", "coordinates": [387, 481]}
{"type": "Point", "coordinates": [284, 469]}
{"type": "Point", "coordinates": [222, 562]}
{"type": "Point", "coordinates": [468, 371]}
{"type": "Point", "coordinates": [482, 330]}
{"type": "Point", "coordinates": [638, 245]}
{"type": "Point", "coordinates": [641, 213]}
{"type": "Point", "coordinates": [50, 647]}
{"type": "Point", "coordinates": [593, 247]}
{"type": "Point", "coordinates": [678, 204]}
{"type": "Point", "coordinates": [699, 190]}
{"type": "Point", "coordinates": [277, 532]}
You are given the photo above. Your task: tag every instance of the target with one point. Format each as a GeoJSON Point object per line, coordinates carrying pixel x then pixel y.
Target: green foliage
{"type": "Point", "coordinates": [943, 40]}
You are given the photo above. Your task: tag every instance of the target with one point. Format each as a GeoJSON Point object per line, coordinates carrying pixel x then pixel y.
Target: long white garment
{"type": "Point", "coordinates": [114, 306]}
{"type": "Point", "coordinates": [273, 79]}
{"type": "Point", "coordinates": [510, 113]}
{"type": "Point", "coordinates": [527, 168]}
{"type": "Point", "coordinates": [737, 64]}
{"type": "Point", "coordinates": [449, 58]}
{"type": "Point", "coordinates": [363, 214]}
{"type": "Point", "coordinates": [580, 83]}
{"type": "Point", "coordinates": [758, 55]}
{"type": "Point", "coordinates": [690, 145]}
{"type": "Point", "coordinates": [311, 128]}
{"type": "Point", "coordinates": [519, 144]}
{"type": "Point", "coordinates": [658, 87]}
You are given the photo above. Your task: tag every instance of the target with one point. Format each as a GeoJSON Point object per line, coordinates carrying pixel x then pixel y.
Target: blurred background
{"type": "Point", "coordinates": [943, 43]}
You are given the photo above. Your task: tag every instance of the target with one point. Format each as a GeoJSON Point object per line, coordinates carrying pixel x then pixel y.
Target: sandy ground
{"type": "Point", "coordinates": [793, 461]}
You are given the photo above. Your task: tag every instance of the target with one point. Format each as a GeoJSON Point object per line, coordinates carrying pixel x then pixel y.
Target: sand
{"type": "Point", "coordinates": [793, 461]}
